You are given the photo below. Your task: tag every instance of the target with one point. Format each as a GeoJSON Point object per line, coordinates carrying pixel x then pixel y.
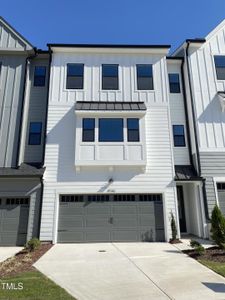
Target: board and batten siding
{"type": "Point", "coordinates": [11, 92]}
{"type": "Point", "coordinates": [36, 112]}
{"type": "Point", "coordinates": [61, 176]}
{"type": "Point", "coordinates": [177, 112]}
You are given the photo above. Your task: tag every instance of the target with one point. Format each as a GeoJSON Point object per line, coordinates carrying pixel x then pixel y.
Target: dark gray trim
{"type": "Point", "coordinates": [110, 106]}
{"type": "Point", "coordinates": [24, 170]}
{"type": "Point", "coordinates": [109, 46]}
{"type": "Point", "coordinates": [174, 58]}
{"type": "Point", "coordinates": [197, 40]}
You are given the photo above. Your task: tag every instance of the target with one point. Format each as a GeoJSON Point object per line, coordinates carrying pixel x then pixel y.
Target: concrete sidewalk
{"type": "Point", "coordinates": [134, 271]}
{"type": "Point", "coordinates": [6, 252]}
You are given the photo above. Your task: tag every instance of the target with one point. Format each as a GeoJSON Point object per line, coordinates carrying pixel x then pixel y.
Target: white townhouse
{"type": "Point", "coordinates": [204, 67]}
{"type": "Point", "coordinates": [117, 147]}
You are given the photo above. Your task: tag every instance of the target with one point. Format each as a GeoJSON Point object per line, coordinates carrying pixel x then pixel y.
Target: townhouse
{"type": "Point", "coordinates": [103, 142]}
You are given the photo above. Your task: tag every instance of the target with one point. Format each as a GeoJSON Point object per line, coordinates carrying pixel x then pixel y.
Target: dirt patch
{"type": "Point", "coordinates": [177, 241]}
{"type": "Point", "coordinates": [22, 261]}
{"type": "Point", "coordinates": [212, 254]}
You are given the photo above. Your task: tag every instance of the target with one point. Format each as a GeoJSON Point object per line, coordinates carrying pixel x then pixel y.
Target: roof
{"type": "Point", "coordinates": [16, 33]}
{"type": "Point", "coordinates": [110, 106]}
{"type": "Point", "coordinates": [107, 46]}
{"type": "Point", "coordinates": [186, 173]}
{"type": "Point", "coordinates": [24, 170]}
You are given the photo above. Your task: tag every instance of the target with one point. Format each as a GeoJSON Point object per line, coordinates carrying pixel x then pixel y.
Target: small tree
{"type": "Point", "coordinates": [218, 226]}
{"type": "Point", "coordinates": [173, 227]}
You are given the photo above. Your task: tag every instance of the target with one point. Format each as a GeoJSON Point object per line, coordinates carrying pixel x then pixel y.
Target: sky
{"type": "Point", "coordinates": [112, 22]}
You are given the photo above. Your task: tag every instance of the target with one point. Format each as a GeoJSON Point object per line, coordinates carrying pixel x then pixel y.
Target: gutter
{"type": "Point", "coordinates": [195, 131]}
{"type": "Point", "coordinates": [23, 103]}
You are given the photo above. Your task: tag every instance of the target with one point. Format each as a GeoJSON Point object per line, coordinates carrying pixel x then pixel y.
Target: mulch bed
{"type": "Point", "coordinates": [177, 241]}
{"type": "Point", "coordinates": [212, 254]}
{"type": "Point", "coordinates": [22, 262]}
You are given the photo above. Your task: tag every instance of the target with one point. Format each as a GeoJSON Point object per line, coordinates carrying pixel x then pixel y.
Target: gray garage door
{"type": "Point", "coordinates": [13, 221]}
{"type": "Point", "coordinates": [221, 195]}
{"type": "Point", "coordinates": [105, 218]}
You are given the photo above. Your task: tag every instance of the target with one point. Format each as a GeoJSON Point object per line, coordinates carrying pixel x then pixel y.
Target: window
{"type": "Point", "coordinates": [221, 186]}
{"type": "Point", "coordinates": [174, 82]}
{"type": "Point", "coordinates": [35, 133]}
{"type": "Point", "coordinates": [220, 67]}
{"type": "Point", "coordinates": [39, 76]}
{"type": "Point", "coordinates": [110, 130]}
{"type": "Point", "coordinates": [144, 77]}
{"type": "Point", "coordinates": [133, 130]}
{"type": "Point", "coordinates": [88, 130]}
{"type": "Point", "coordinates": [178, 136]}
{"type": "Point", "coordinates": [110, 77]}
{"type": "Point", "coordinates": [75, 76]}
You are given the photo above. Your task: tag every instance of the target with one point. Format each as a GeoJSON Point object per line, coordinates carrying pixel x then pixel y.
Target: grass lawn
{"type": "Point", "coordinates": [35, 287]}
{"type": "Point", "coordinates": [217, 267]}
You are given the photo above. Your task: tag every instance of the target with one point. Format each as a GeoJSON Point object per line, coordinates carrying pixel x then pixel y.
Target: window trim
{"type": "Point", "coordinates": [136, 78]}
{"type": "Point", "coordinates": [179, 146]}
{"type": "Point", "coordinates": [118, 77]}
{"type": "Point", "coordinates": [39, 66]}
{"type": "Point", "coordinates": [83, 83]}
{"type": "Point", "coordinates": [34, 133]}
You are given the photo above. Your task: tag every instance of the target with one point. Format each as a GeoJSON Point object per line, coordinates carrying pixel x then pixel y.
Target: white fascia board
{"type": "Point", "coordinates": [110, 113]}
{"type": "Point", "coordinates": [162, 51]}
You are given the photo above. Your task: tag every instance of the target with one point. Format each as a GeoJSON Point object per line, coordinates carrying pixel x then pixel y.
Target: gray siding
{"type": "Point", "coordinates": [25, 187]}
{"type": "Point", "coordinates": [36, 112]}
{"type": "Point", "coordinates": [11, 90]}
{"type": "Point", "coordinates": [212, 165]}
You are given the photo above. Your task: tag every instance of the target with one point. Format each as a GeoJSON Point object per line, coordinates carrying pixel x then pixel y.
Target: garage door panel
{"type": "Point", "coordinates": [120, 218]}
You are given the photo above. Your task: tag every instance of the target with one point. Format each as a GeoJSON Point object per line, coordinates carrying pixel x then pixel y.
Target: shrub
{"type": "Point", "coordinates": [33, 244]}
{"type": "Point", "coordinates": [218, 226]}
{"type": "Point", "coordinates": [200, 250]}
{"type": "Point", "coordinates": [173, 227]}
{"type": "Point", "coordinates": [194, 244]}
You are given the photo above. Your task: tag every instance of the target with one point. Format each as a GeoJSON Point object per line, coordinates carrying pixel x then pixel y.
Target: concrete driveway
{"type": "Point", "coordinates": [134, 271]}
{"type": "Point", "coordinates": [6, 252]}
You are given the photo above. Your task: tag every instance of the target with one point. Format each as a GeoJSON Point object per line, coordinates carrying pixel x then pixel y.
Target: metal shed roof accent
{"type": "Point", "coordinates": [186, 173]}
{"type": "Point", "coordinates": [110, 106]}
{"type": "Point", "coordinates": [23, 170]}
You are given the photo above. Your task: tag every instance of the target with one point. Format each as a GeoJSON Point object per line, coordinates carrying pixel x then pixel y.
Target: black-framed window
{"type": "Point", "coordinates": [133, 130]}
{"type": "Point", "coordinates": [174, 82]}
{"type": "Point", "coordinates": [220, 66]}
{"type": "Point", "coordinates": [39, 75]}
{"type": "Point", "coordinates": [110, 77]}
{"type": "Point", "coordinates": [88, 130]}
{"type": "Point", "coordinates": [178, 136]}
{"type": "Point", "coordinates": [35, 133]}
{"type": "Point", "coordinates": [111, 130]}
{"type": "Point", "coordinates": [144, 77]}
{"type": "Point", "coordinates": [221, 186]}
{"type": "Point", "coordinates": [75, 76]}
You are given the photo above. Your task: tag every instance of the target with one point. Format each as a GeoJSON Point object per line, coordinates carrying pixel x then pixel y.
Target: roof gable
{"type": "Point", "coordinates": [216, 30]}
{"type": "Point", "coordinates": [10, 39]}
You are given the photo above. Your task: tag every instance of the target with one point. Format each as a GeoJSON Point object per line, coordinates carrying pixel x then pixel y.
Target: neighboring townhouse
{"type": "Point", "coordinates": [204, 68]}
{"type": "Point", "coordinates": [23, 104]}
{"type": "Point", "coordinates": [109, 155]}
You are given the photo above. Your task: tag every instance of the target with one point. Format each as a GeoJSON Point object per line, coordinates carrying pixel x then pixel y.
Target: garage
{"type": "Point", "coordinates": [110, 218]}
{"type": "Point", "coordinates": [14, 214]}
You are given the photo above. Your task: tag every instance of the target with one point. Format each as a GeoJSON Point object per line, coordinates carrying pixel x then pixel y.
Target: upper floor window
{"type": "Point", "coordinates": [174, 82]}
{"type": "Point", "coordinates": [75, 76]}
{"type": "Point", "coordinates": [220, 66]}
{"type": "Point", "coordinates": [110, 77]}
{"type": "Point", "coordinates": [35, 133]}
{"type": "Point", "coordinates": [144, 77]}
{"type": "Point", "coordinates": [39, 75]}
{"type": "Point", "coordinates": [111, 130]}
{"type": "Point", "coordinates": [133, 130]}
{"type": "Point", "coordinates": [178, 136]}
{"type": "Point", "coordinates": [88, 130]}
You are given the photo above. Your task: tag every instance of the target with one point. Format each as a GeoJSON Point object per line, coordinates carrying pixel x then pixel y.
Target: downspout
{"type": "Point", "coordinates": [40, 207]}
{"type": "Point", "coordinates": [195, 134]}
{"type": "Point", "coordinates": [27, 68]}
{"type": "Point", "coordinates": [186, 112]}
